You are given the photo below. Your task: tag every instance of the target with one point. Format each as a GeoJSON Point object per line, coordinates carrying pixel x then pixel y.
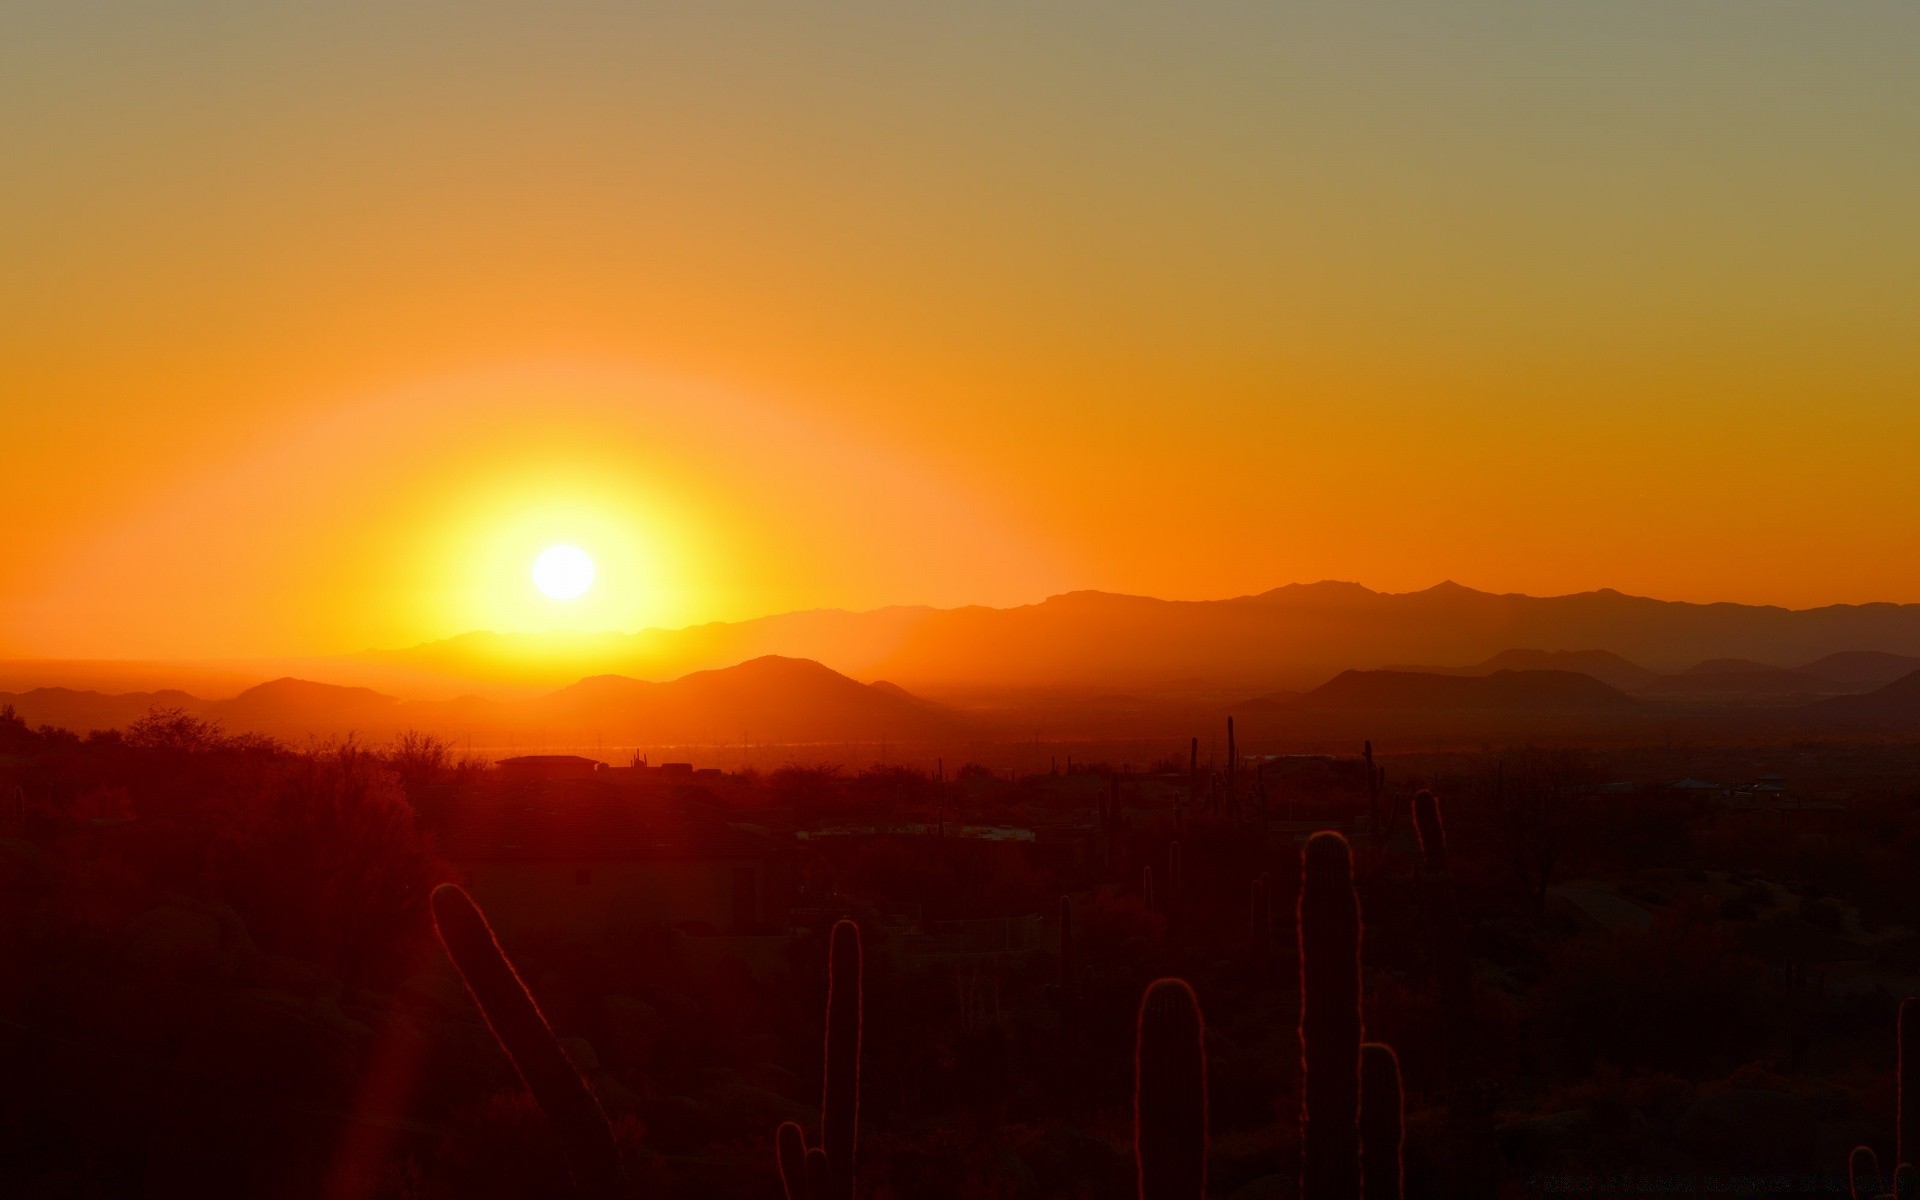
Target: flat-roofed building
{"type": "Point", "coordinates": [549, 766]}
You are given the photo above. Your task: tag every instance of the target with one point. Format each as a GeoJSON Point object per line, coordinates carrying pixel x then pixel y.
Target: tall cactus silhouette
{"type": "Point", "coordinates": [1863, 1168]}
{"type": "Point", "coordinates": [1445, 934]}
{"type": "Point", "coordinates": [1146, 887]}
{"type": "Point", "coordinates": [516, 1022]}
{"type": "Point", "coordinates": [1233, 758]}
{"type": "Point", "coordinates": [1071, 988]}
{"type": "Point", "coordinates": [1373, 795]}
{"type": "Point", "coordinates": [1174, 903]}
{"type": "Point", "coordinates": [1433, 837]}
{"type": "Point", "coordinates": [1468, 1089]}
{"type": "Point", "coordinates": [1170, 1094]}
{"type": "Point", "coordinates": [1907, 1112]}
{"type": "Point", "coordinates": [1381, 1112]}
{"type": "Point", "coordinates": [1067, 967]}
{"type": "Point", "coordinates": [1376, 782]}
{"type": "Point", "coordinates": [826, 1171]}
{"type": "Point", "coordinates": [1329, 916]}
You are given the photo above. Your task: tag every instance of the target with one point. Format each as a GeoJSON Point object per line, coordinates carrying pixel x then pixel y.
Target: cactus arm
{"type": "Point", "coordinates": [1863, 1174]}
{"type": "Point", "coordinates": [1381, 1120]}
{"type": "Point", "coordinates": [818, 1174]}
{"type": "Point", "coordinates": [790, 1151]}
{"type": "Point", "coordinates": [1329, 915]}
{"type": "Point", "coordinates": [516, 1022]}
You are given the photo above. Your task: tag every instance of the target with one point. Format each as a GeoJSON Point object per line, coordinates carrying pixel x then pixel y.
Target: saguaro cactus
{"type": "Point", "coordinates": [1907, 1114]}
{"type": "Point", "coordinates": [1376, 782]}
{"type": "Point", "coordinates": [1329, 916]}
{"type": "Point", "coordinates": [1381, 1109]}
{"type": "Point", "coordinates": [517, 1023]}
{"type": "Point", "coordinates": [1433, 837]}
{"type": "Point", "coordinates": [826, 1171]}
{"type": "Point", "coordinates": [1445, 935]}
{"type": "Point", "coordinates": [1071, 980]}
{"type": "Point", "coordinates": [1146, 886]}
{"type": "Point", "coordinates": [1170, 1094]}
{"type": "Point", "coordinates": [1469, 1110]}
{"type": "Point", "coordinates": [1066, 942]}
{"type": "Point", "coordinates": [1233, 757]}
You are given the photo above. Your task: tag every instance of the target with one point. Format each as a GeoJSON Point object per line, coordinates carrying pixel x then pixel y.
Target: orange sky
{"type": "Point", "coordinates": [317, 321]}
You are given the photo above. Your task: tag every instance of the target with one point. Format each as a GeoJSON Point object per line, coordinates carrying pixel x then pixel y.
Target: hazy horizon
{"type": "Point", "coordinates": [586, 636]}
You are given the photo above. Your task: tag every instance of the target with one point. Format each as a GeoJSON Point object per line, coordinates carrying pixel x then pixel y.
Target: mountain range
{"type": "Point", "coordinates": [770, 699]}
{"type": "Point", "coordinates": [1293, 637]}
{"type": "Point", "coordinates": [773, 701]}
{"type": "Point", "coordinates": [1300, 658]}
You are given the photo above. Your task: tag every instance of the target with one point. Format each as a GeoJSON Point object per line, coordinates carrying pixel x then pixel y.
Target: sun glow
{"type": "Point", "coordinates": [563, 572]}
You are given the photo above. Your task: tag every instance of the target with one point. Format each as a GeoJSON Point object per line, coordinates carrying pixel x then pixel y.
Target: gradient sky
{"type": "Point", "coordinates": [318, 320]}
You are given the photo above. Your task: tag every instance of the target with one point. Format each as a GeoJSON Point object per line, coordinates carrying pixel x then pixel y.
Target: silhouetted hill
{"type": "Point", "coordinates": [288, 707]}
{"type": "Point", "coordinates": [1863, 669]}
{"type": "Point", "coordinates": [81, 711]}
{"type": "Point", "coordinates": [885, 688]}
{"type": "Point", "coordinates": [1899, 700]}
{"type": "Point", "coordinates": [1609, 668]}
{"type": "Point", "coordinates": [769, 699]}
{"type": "Point", "coordinates": [1734, 680]}
{"type": "Point", "coordinates": [1517, 692]}
{"type": "Point", "coordinates": [1290, 637]}
{"type": "Point", "coordinates": [1604, 665]}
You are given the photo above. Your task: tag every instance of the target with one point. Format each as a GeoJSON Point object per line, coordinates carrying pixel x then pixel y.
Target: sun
{"type": "Point", "coordinates": [563, 572]}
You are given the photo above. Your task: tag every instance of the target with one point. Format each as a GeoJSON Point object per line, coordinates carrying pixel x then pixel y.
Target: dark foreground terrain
{"type": "Point", "coordinates": [1638, 971]}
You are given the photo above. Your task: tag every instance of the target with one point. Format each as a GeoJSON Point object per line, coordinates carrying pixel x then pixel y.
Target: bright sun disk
{"type": "Point", "coordinates": [563, 572]}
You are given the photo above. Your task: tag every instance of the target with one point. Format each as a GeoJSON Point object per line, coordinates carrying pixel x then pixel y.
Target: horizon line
{"type": "Point", "coordinates": [1445, 585]}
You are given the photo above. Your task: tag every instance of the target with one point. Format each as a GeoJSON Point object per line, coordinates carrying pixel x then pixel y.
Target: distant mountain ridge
{"type": "Point", "coordinates": [1515, 692]}
{"type": "Point", "coordinates": [1095, 662]}
{"type": "Point", "coordinates": [1897, 702]}
{"type": "Point", "coordinates": [1607, 667]}
{"type": "Point", "coordinates": [769, 699]}
{"type": "Point", "coordinates": [1295, 637]}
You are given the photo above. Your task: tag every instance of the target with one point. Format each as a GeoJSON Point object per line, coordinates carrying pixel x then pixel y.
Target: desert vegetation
{"type": "Point", "coordinates": [235, 967]}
